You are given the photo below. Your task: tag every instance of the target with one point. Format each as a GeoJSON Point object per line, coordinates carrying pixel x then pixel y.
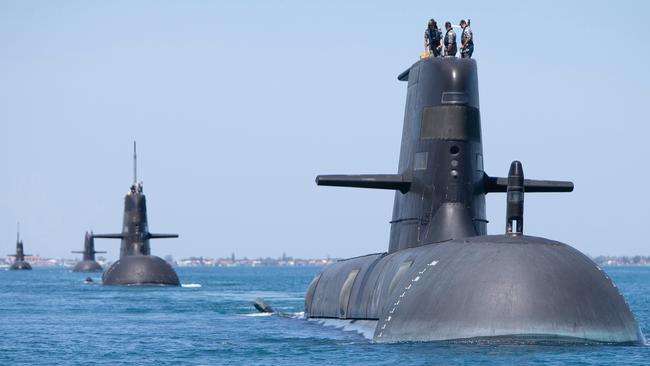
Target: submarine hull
{"type": "Point", "coordinates": [519, 287]}
{"type": "Point", "coordinates": [141, 270]}
{"type": "Point", "coordinates": [443, 278]}
{"type": "Point", "coordinates": [87, 266]}
{"type": "Point", "coordinates": [20, 265]}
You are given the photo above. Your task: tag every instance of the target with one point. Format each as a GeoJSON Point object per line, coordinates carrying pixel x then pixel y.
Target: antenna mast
{"type": "Point", "coordinates": [135, 165]}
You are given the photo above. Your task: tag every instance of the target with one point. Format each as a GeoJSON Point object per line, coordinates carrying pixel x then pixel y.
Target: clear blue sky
{"type": "Point", "coordinates": [237, 106]}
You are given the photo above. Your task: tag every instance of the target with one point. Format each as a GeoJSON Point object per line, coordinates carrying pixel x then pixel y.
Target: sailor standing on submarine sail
{"type": "Point", "coordinates": [466, 40]}
{"type": "Point", "coordinates": [450, 41]}
{"type": "Point", "coordinates": [432, 39]}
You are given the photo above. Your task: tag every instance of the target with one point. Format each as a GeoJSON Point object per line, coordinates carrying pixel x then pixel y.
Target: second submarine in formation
{"type": "Point", "coordinates": [136, 265]}
{"type": "Point", "coordinates": [443, 277]}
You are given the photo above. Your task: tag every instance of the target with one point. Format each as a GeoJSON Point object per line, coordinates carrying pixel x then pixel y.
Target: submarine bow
{"type": "Point", "coordinates": [443, 277]}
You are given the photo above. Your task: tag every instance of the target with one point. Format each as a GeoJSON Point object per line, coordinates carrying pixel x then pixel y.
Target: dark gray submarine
{"type": "Point", "coordinates": [88, 262]}
{"type": "Point", "coordinates": [19, 257]}
{"type": "Point", "coordinates": [443, 278]}
{"type": "Point", "coordinates": [136, 265]}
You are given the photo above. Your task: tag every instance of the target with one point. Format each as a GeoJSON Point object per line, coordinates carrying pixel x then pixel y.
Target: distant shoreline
{"type": "Point", "coordinates": [284, 261]}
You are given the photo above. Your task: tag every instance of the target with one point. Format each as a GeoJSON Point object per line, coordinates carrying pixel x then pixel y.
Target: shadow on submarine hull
{"type": "Point", "coordinates": [141, 270]}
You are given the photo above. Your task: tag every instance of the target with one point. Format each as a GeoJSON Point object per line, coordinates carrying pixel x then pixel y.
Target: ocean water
{"type": "Point", "coordinates": [50, 317]}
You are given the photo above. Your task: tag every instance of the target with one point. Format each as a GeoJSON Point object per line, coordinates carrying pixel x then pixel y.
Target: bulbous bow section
{"type": "Point", "coordinates": [87, 266]}
{"type": "Point", "coordinates": [20, 265]}
{"type": "Point", "coordinates": [141, 270]}
{"type": "Point", "coordinates": [506, 286]}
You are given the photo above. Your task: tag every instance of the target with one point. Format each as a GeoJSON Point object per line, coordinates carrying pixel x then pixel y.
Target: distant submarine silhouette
{"type": "Point", "coordinates": [88, 263]}
{"type": "Point", "coordinates": [443, 277]}
{"type": "Point", "coordinates": [19, 261]}
{"type": "Point", "coordinates": [136, 265]}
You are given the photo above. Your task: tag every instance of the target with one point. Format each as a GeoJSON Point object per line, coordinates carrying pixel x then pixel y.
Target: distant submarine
{"type": "Point", "coordinates": [88, 264]}
{"type": "Point", "coordinates": [19, 262]}
{"type": "Point", "coordinates": [443, 278]}
{"type": "Point", "coordinates": [136, 265]}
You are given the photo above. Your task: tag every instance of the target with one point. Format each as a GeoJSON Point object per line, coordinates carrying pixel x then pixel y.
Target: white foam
{"type": "Point", "coordinates": [299, 315]}
{"type": "Point", "coordinates": [258, 314]}
{"type": "Point", "coordinates": [190, 285]}
{"type": "Point", "coordinates": [366, 328]}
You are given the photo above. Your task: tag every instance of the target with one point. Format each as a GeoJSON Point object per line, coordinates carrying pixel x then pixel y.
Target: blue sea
{"type": "Point", "coordinates": [50, 317]}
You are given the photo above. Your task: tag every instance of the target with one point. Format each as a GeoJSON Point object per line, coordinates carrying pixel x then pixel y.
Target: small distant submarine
{"type": "Point", "coordinates": [443, 278]}
{"type": "Point", "coordinates": [136, 265]}
{"type": "Point", "coordinates": [19, 261]}
{"type": "Point", "coordinates": [88, 263]}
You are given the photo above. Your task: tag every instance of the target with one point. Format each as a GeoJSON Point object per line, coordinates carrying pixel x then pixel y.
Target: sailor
{"type": "Point", "coordinates": [466, 40]}
{"type": "Point", "coordinates": [432, 39]}
{"type": "Point", "coordinates": [450, 41]}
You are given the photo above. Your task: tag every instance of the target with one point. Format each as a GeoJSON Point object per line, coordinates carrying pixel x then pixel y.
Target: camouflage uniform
{"type": "Point", "coordinates": [450, 39]}
{"type": "Point", "coordinates": [469, 48]}
{"type": "Point", "coordinates": [432, 39]}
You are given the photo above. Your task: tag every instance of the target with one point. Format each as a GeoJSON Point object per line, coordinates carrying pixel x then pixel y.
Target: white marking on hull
{"type": "Point", "coordinates": [406, 289]}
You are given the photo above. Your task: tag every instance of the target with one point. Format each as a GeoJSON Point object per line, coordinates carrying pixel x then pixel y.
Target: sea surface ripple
{"type": "Point", "coordinates": [49, 316]}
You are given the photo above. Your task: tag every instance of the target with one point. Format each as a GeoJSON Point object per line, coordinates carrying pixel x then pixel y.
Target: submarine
{"type": "Point", "coordinates": [88, 263]}
{"type": "Point", "coordinates": [443, 278]}
{"type": "Point", "coordinates": [136, 265]}
{"type": "Point", "coordinates": [19, 261]}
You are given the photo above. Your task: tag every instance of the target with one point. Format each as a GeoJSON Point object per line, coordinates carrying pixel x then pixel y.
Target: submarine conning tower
{"type": "Point", "coordinates": [20, 252]}
{"type": "Point", "coordinates": [136, 264]}
{"type": "Point", "coordinates": [441, 155]}
{"type": "Point", "coordinates": [440, 181]}
{"type": "Point", "coordinates": [135, 237]}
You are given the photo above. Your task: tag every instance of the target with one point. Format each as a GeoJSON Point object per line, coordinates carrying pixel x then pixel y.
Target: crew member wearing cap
{"type": "Point", "coordinates": [466, 40]}
{"type": "Point", "coordinates": [433, 39]}
{"type": "Point", "coordinates": [450, 41]}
